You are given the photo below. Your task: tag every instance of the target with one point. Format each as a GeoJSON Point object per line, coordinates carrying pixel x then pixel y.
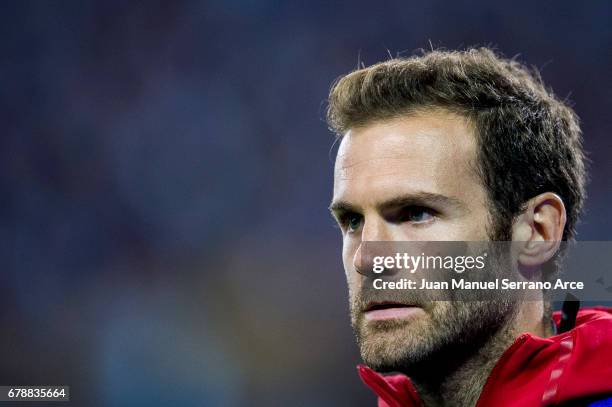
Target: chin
{"type": "Point", "coordinates": [394, 348]}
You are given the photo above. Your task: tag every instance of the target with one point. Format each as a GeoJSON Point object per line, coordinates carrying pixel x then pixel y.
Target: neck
{"type": "Point", "coordinates": [463, 380]}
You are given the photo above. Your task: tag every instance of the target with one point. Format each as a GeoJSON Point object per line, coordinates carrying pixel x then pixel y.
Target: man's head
{"type": "Point", "coordinates": [448, 146]}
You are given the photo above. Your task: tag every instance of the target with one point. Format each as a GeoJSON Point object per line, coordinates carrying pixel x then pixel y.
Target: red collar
{"type": "Point", "coordinates": [533, 371]}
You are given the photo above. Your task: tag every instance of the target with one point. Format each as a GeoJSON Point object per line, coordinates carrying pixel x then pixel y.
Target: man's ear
{"type": "Point", "coordinates": [539, 229]}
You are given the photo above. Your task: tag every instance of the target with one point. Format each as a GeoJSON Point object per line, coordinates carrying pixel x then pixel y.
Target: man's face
{"type": "Point", "coordinates": [410, 179]}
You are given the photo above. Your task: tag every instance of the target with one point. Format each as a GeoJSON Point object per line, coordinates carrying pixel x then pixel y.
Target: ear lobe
{"type": "Point", "coordinates": [534, 254]}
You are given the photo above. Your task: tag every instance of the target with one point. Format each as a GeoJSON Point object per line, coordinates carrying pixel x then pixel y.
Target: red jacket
{"type": "Point", "coordinates": [533, 371]}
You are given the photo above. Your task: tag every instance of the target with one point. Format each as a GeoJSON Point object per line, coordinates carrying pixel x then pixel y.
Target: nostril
{"type": "Point", "coordinates": [367, 259]}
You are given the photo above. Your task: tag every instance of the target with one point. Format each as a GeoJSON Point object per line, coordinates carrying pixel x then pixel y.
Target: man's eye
{"type": "Point", "coordinates": [353, 222]}
{"type": "Point", "coordinates": [416, 214]}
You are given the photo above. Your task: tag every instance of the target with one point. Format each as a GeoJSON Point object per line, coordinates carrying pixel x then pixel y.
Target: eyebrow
{"type": "Point", "coordinates": [419, 198]}
{"type": "Point", "coordinates": [342, 206]}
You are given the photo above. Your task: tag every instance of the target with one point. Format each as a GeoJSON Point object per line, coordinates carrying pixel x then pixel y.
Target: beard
{"type": "Point", "coordinates": [442, 334]}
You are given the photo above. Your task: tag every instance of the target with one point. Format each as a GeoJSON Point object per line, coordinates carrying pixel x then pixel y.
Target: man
{"type": "Point", "coordinates": [463, 146]}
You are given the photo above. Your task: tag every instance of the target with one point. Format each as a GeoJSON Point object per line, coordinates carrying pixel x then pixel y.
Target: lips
{"type": "Point", "coordinates": [387, 310]}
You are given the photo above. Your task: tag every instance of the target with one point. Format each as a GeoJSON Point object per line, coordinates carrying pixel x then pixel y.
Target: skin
{"type": "Point", "coordinates": [413, 178]}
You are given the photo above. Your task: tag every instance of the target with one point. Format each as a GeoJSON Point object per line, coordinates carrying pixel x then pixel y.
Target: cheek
{"type": "Point", "coordinates": [349, 248]}
{"type": "Point", "coordinates": [470, 227]}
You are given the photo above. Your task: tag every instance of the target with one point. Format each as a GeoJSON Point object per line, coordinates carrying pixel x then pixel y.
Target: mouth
{"type": "Point", "coordinates": [382, 311]}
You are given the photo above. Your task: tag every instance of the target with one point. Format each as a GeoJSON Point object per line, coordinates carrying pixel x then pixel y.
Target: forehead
{"type": "Point", "coordinates": [431, 151]}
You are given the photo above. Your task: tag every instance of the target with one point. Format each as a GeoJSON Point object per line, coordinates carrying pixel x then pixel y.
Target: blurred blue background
{"type": "Point", "coordinates": [165, 176]}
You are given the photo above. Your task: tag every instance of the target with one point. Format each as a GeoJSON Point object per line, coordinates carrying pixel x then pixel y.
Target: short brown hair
{"type": "Point", "coordinates": [529, 141]}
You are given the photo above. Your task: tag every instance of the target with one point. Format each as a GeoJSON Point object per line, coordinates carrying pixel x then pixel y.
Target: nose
{"type": "Point", "coordinates": [374, 229]}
